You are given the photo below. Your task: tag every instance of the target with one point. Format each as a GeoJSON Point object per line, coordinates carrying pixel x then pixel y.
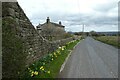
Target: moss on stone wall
{"type": "Point", "coordinates": [12, 50]}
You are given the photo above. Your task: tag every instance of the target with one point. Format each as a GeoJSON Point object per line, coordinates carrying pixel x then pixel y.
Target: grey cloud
{"type": "Point", "coordinates": [105, 7]}
{"type": "Point", "coordinates": [91, 19]}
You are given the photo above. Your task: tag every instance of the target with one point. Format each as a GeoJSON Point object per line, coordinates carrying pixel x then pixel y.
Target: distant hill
{"type": "Point", "coordinates": [109, 33]}
{"type": "Point", "coordinates": [112, 33]}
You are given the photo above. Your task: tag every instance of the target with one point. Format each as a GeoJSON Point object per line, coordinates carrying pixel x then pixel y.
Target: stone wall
{"type": "Point", "coordinates": [22, 44]}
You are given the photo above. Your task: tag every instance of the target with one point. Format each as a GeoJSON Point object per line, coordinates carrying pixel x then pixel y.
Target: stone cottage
{"type": "Point", "coordinates": [51, 31]}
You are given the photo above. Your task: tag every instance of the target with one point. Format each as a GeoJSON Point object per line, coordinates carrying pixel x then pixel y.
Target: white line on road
{"type": "Point", "coordinates": [63, 65]}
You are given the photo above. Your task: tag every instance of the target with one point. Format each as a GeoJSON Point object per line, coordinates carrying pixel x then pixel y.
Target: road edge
{"type": "Point", "coordinates": [63, 65]}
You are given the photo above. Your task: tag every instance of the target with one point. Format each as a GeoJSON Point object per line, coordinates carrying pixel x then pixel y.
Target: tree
{"type": "Point", "coordinates": [93, 33]}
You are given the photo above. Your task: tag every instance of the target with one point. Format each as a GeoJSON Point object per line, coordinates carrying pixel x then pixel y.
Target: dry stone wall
{"type": "Point", "coordinates": [22, 44]}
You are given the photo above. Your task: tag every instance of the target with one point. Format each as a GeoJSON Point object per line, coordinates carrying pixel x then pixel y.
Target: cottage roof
{"type": "Point", "coordinates": [57, 24]}
{"type": "Point", "coordinates": [53, 24]}
{"type": "Point", "coordinates": [48, 21]}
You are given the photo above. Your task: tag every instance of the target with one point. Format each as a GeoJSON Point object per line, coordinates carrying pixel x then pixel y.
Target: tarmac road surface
{"type": "Point", "coordinates": [91, 59]}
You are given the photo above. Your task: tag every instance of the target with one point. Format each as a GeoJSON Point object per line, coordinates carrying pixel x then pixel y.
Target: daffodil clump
{"type": "Point", "coordinates": [38, 72]}
{"type": "Point", "coordinates": [39, 67]}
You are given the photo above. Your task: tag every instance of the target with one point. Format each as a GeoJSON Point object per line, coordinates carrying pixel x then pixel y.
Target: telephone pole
{"type": "Point", "coordinates": [83, 28]}
{"type": "Point", "coordinates": [83, 31]}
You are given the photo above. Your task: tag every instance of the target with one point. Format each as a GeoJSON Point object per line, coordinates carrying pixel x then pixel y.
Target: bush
{"type": "Point", "coordinates": [67, 35]}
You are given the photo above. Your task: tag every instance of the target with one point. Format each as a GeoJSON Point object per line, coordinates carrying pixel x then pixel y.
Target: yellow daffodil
{"type": "Point", "coordinates": [48, 72]}
{"type": "Point", "coordinates": [31, 75]}
{"type": "Point", "coordinates": [52, 59]}
{"type": "Point", "coordinates": [55, 54]}
{"type": "Point", "coordinates": [58, 51]}
{"type": "Point", "coordinates": [36, 73]}
{"type": "Point", "coordinates": [28, 68]}
{"type": "Point", "coordinates": [59, 47]}
{"type": "Point", "coordinates": [41, 67]}
{"type": "Point", "coordinates": [62, 49]}
{"type": "Point", "coordinates": [32, 72]}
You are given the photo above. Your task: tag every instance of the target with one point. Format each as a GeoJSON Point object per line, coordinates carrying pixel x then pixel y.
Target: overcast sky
{"type": "Point", "coordinates": [97, 15]}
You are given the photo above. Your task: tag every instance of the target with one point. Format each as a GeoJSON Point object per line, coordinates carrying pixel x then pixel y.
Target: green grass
{"type": "Point", "coordinates": [56, 64]}
{"type": "Point", "coordinates": [50, 65]}
{"type": "Point", "coordinates": [111, 40]}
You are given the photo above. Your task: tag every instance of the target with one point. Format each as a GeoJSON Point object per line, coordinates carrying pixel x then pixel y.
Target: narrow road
{"type": "Point", "coordinates": [91, 59]}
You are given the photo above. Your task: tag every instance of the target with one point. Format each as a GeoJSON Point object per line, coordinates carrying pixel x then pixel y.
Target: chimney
{"type": "Point", "coordinates": [48, 20]}
{"type": "Point", "coordinates": [60, 22]}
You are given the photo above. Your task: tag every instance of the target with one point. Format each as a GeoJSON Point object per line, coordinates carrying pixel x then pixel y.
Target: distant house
{"type": "Point", "coordinates": [50, 30]}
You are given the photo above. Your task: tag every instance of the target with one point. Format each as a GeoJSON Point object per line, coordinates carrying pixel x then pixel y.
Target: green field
{"type": "Point", "coordinates": [111, 40]}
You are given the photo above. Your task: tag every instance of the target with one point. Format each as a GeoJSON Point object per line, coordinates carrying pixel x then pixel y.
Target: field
{"type": "Point", "coordinates": [111, 40]}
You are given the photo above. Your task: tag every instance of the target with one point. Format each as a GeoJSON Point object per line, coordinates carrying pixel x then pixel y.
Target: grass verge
{"type": "Point", "coordinates": [50, 64]}
{"type": "Point", "coordinates": [111, 40]}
